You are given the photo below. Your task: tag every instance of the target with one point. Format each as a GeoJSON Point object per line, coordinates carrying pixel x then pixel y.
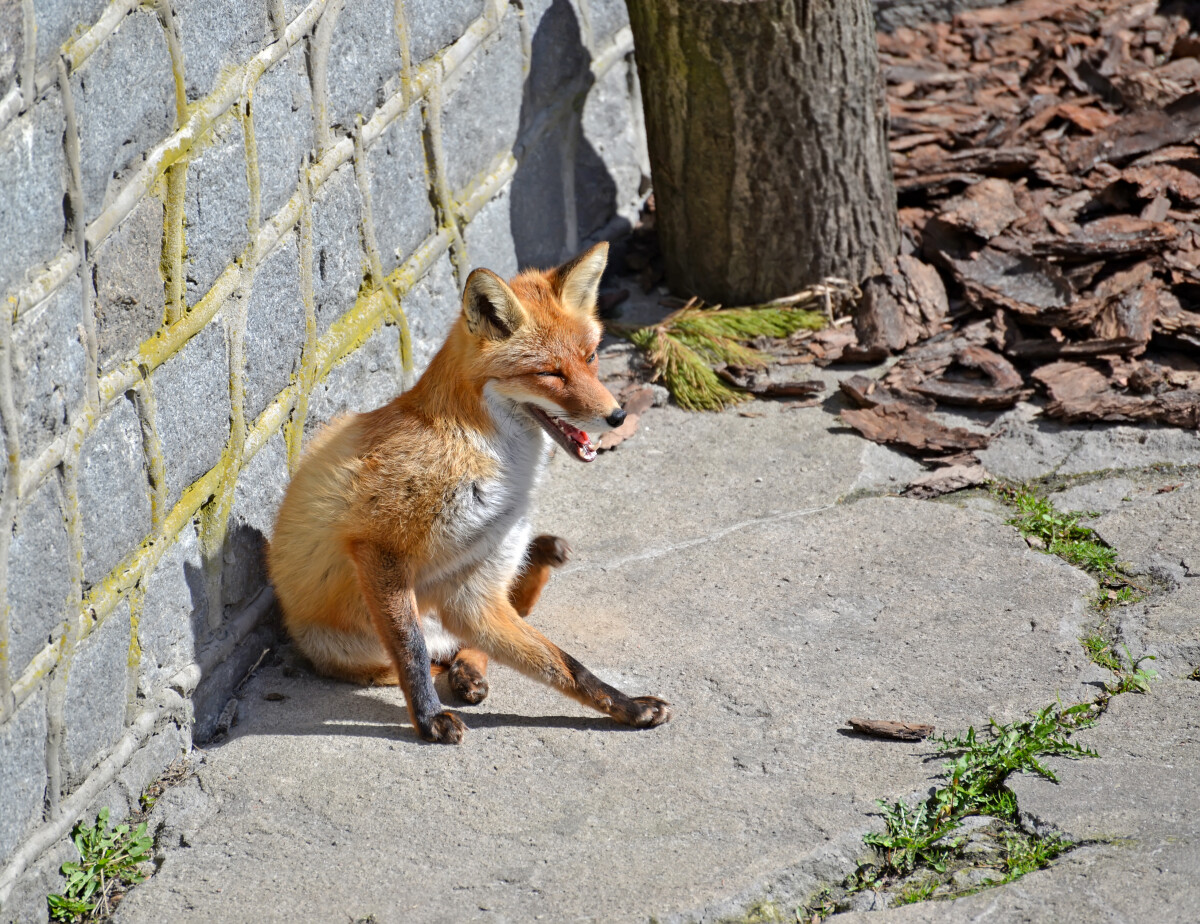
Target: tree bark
{"type": "Point", "coordinates": [768, 143]}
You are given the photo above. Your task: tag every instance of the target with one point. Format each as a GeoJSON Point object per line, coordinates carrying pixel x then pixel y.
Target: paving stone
{"type": "Point", "coordinates": [433, 24]}
{"type": "Point", "coordinates": [97, 695]}
{"type": "Point", "coordinates": [59, 21]}
{"type": "Point", "coordinates": [1101, 496]}
{"type": "Point", "coordinates": [33, 182]}
{"type": "Point", "coordinates": [610, 159]}
{"type": "Point", "coordinates": [216, 36]}
{"type": "Point", "coordinates": [130, 293]}
{"type": "Point", "coordinates": [112, 476]}
{"type": "Point", "coordinates": [1157, 533]}
{"type": "Point", "coordinates": [539, 215]}
{"type": "Point", "coordinates": [49, 367]}
{"type": "Point", "coordinates": [174, 613]}
{"type": "Point", "coordinates": [191, 394]}
{"type": "Point", "coordinates": [432, 307]}
{"type": "Point", "coordinates": [891, 15]}
{"type": "Point", "coordinates": [283, 129]}
{"type": "Point", "coordinates": [339, 260]}
{"type": "Point", "coordinates": [256, 500]}
{"type": "Point", "coordinates": [22, 772]}
{"type": "Point", "coordinates": [607, 17]}
{"type": "Point", "coordinates": [557, 57]}
{"type": "Point", "coordinates": [368, 378]}
{"type": "Point", "coordinates": [12, 43]}
{"type": "Point", "coordinates": [216, 207]}
{"type": "Point", "coordinates": [1167, 625]}
{"type": "Point", "coordinates": [489, 236]}
{"type": "Point", "coordinates": [364, 60]}
{"type": "Point", "coordinates": [39, 576]}
{"type": "Point", "coordinates": [734, 598]}
{"type": "Point", "coordinates": [1026, 446]}
{"type": "Point", "coordinates": [481, 112]}
{"type": "Point", "coordinates": [133, 67]}
{"type": "Point", "coordinates": [274, 326]}
{"type": "Point", "coordinates": [400, 195]}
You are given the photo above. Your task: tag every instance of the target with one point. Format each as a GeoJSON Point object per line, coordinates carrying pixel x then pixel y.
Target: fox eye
{"type": "Point", "coordinates": [591, 359]}
{"type": "Point", "coordinates": [550, 373]}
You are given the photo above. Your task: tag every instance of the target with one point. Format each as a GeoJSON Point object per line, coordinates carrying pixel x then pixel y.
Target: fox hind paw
{"type": "Point", "coordinates": [467, 683]}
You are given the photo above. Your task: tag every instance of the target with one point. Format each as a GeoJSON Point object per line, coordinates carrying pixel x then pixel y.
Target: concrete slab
{"type": "Point", "coordinates": [765, 611]}
{"type": "Point", "coordinates": [1139, 805]}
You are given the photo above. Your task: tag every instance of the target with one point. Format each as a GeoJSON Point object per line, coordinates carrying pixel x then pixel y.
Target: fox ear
{"type": "Point", "coordinates": [579, 280]}
{"type": "Point", "coordinates": [490, 307]}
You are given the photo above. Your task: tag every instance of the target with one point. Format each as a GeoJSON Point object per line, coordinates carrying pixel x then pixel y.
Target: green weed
{"type": "Point", "coordinates": [917, 893]}
{"type": "Point", "coordinates": [1061, 533]}
{"type": "Point", "coordinates": [1131, 677]}
{"type": "Point", "coordinates": [109, 860]}
{"type": "Point", "coordinates": [1023, 854]}
{"type": "Point", "coordinates": [976, 772]}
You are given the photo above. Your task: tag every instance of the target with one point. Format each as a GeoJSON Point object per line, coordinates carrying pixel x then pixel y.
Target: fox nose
{"type": "Point", "coordinates": [616, 418]}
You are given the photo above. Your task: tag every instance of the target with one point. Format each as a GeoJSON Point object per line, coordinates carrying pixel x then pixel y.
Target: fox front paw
{"type": "Point", "coordinates": [643, 712]}
{"type": "Point", "coordinates": [467, 683]}
{"type": "Point", "coordinates": [443, 728]}
{"type": "Point", "coordinates": [550, 550]}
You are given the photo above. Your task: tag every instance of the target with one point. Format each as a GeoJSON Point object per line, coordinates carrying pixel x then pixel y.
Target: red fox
{"type": "Point", "coordinates": [404, 536]}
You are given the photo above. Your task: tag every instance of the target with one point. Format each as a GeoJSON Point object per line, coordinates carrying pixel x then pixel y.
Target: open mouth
{"type": "Point", "coordinates": [572, 439]}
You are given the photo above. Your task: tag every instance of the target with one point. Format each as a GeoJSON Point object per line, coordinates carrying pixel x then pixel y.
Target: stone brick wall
{"type": "Point", "coordinates": [222, 222]}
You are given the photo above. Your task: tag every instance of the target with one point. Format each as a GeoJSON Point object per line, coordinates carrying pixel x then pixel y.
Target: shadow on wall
{"type": "Point", "coordinates": [562, 192]}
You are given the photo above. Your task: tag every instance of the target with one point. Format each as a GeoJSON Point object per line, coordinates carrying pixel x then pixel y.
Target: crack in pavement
{"type": "Point", "coordinates": [649, 554]}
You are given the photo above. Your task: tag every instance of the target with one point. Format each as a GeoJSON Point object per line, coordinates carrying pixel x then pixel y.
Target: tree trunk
{"type": "Point", "coordinates": [768, 143]}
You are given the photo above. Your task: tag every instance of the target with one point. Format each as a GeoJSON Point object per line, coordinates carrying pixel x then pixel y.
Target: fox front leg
{"type": "Point", "coordinates": [393, 606]}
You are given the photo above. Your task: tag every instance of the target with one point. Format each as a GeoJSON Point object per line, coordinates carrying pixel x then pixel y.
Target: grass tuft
{"type": "Point", "coordinates": [684, 346]}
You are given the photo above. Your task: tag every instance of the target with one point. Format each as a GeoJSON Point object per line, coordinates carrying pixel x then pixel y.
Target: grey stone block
{"type": "Point", "coordinates": [26, 904]}
{"type": "Point", "coordinates": [22, 772]}
{"type": "Point", "coordinates": [97, 695]}
{"type": "Point", "coordinates": [607, 18]}
{"type": "Point", "coordinates": [283, 129]}
{"type": "Point", "coordinates": [12, 43]}
{"type": "Point", "coordinates": [557, 58]}
{"type": "Point", "coordinates": [368, 378]}
{"type": "Point", "coordinates": [482, 109]}
{"type": "Point", "coordinates": [609, 160]}
{"type": "Point", "coordinates": [217, 207]}
{"type": "Point", "coordinates": [39, 576]}
{"type": "Point", "coordinates": [538, 221]}
{"type": "Point", "coordinates": [400, 194]}
{"type": "Point", "coordinates": [339, 260]}
{"type": "Point", "coordinates": [112, 476]}
{"type": "Point", "coordinates": [130, 293]}
{"type": "Point", "coordinates": [191, 392]}
{"type": "Point", "coordinates": [149, 762]}
{"type": "Point", "coordinates": [489, 236]}
{"type": "Point", "coordinates": [61, 20]}
{"type": "Point", "coordinates": [364, 60]}
{"type": "Point", "coordinates": [274, 326]}
{"type": "Point", "coordinates": [49, 367]}
{"type": "Point", "coordinates": [434, 24]}
{"type": "Point", "coordinates": [134, 67]}
{"type": "Point", "coordinates": [256, 500]}
{"type": "Point", "coordinates": [431, 307]}
{"type": "Point", "coordinates": [217, 35]}
{"type": "Point", "coordinates": [174, 613]}
{"type": "Point", "coordinates": [33, 181]}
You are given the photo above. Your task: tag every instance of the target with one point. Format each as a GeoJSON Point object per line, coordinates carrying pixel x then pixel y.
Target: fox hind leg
{"type": "Point", "coordinates": [468, 670]}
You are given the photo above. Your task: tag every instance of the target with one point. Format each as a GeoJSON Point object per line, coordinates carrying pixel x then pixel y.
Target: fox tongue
{"type": "Point", "coordinates": [574, 433]}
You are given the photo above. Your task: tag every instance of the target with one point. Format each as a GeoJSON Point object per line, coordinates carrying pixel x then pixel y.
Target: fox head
{"type": "Point", "coordinates": [535, 340]}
